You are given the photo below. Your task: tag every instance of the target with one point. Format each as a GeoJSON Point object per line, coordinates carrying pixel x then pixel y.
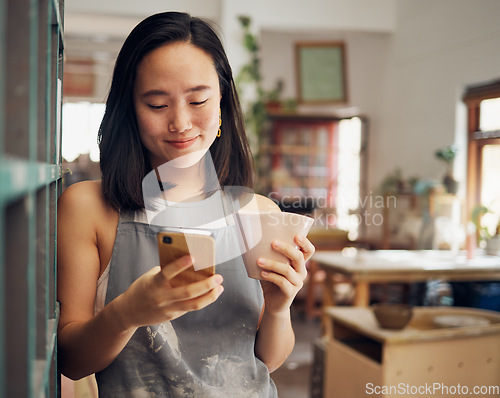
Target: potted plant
{"type": "Point", "coordinates": [488, 227]}
{"type": "Point", "coordinates": [257, 103]}
{"type": "Point", "coordinates": [493, 244]}
{"type": "Point", "coordinates": [447, 155]}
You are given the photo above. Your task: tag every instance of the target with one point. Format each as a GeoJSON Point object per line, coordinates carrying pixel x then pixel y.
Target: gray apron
{"type": "Point", "coordinates": [205, 353]}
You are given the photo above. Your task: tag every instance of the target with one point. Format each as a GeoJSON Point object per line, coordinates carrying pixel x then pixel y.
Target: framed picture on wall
{"type": "Point", "coordinates": [321, 72]}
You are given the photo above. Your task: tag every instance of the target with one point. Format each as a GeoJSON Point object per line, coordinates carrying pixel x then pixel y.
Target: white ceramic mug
{"type": "Point", "coordinates": [258, 230]}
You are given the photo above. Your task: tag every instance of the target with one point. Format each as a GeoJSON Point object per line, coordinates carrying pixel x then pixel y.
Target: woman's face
{"type": "Point", "coordinates": [177, 102]}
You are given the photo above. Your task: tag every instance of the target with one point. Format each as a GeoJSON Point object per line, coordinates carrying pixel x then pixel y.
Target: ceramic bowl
{"type": "Point", "coordinates": [392, 316]}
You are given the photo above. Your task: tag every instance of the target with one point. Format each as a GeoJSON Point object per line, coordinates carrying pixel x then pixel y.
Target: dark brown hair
{"type": "Point", "coordinates": [124, 160]}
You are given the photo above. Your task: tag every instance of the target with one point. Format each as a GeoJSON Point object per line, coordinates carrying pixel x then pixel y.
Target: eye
{"type": "Point", "coordinates": [157, 106]}
{"type": "Point", "coordinates": [198, 102]}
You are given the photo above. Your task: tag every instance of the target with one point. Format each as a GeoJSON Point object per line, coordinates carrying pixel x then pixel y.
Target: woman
{"type": "Point", "coordinates": [172, 101]}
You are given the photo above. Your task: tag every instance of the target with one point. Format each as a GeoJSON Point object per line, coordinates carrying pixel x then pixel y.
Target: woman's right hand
{"type": "Point", "coordinates": [151, 299]}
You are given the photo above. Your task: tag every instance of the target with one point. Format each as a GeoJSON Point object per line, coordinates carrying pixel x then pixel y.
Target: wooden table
{"type": "Point", "coordinates": [359, 353]}
{"type": "Point", "coordinates": [362, 267]}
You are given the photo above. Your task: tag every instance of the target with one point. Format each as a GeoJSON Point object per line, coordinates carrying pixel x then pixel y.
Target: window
{"type": "Point", "coordinates": [80, 125]}
{"type": "Point", "coordinates": [483, 106]}
{"type": "Point", "coordinates": [490, 188]}
{"type": "Point", "coordinates": [349, 176]}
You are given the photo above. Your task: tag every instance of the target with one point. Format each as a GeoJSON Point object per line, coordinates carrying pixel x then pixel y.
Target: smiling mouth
{"type": "Point", "coordinates": [182, 143]}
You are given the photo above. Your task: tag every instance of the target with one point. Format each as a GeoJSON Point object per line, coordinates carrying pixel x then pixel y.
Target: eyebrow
{"type": "Point", "coordinates": [152, 93]}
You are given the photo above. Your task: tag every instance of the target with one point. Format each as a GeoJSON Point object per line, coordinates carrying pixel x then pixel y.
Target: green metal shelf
{"type": "Point", "coordinates": [31, 46]}
{"type": "Point", "coordinates": [3, 53]}
{"type": "Point", "coordinates": [57, 19]}
{"type": "Point", "coordinates": [19, 177]}
{"type": "Point", "coordinates": [42, 369]}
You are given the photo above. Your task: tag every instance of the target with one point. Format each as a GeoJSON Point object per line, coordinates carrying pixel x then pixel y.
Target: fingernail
{"type": "Point", "coordinates": [300, 239]}
{"type": "Point", "coordinates": [219, 279]}
{"type": "Point", "coordinates": [188, 260]}
{"type": "Point", "coordinates": [276, 244]}
{"type": "Point", "coordinates": [261, 261]}
{"type": "Point", "coordinates": [220, 289]}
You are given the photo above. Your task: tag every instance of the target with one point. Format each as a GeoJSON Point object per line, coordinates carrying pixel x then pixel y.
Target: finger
{"type": "Point", "coordinates": [196, 289]}
{"type": "Point", "coordinates": [305, 246]}
{"type": "Point", "coordinates": [285, 285]}
{"type": "Point", "coordinates": [199, 302]}
{"type": "Point", "coordinates": [282, 269]}
{"type": "Point", "coordinates": [176, 267]}
{"type": "Point", "coordinates": [295, 255]}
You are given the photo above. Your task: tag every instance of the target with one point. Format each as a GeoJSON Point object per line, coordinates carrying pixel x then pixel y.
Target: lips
{"type": "Point", "coordinates": [182, 143]}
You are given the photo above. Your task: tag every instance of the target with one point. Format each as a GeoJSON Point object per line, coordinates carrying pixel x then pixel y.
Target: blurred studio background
{"type": "Point", "coordinates": [379, 118]}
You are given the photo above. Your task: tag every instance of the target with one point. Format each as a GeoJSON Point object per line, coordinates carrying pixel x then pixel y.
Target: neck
{"type": "Point", "coordinates": [186, 183]}
{"type": "Point", "coordinates": [181, 184]}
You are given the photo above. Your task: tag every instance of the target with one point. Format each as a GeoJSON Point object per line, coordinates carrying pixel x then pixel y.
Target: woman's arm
{"type": "Point", "coordinates": [88, 343]}
{"type": "Point", "coordinates": [84, 342]}
{"type": "Point", "coordinates": [281, 283]}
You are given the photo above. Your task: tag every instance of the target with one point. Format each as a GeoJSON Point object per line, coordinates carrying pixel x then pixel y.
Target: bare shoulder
{"type": "Point", "coordinates": [86, 224]}
{"type": "Point", "coordinates": [84, 192]}
{"type": "Point", "coordinates": [85, 200]}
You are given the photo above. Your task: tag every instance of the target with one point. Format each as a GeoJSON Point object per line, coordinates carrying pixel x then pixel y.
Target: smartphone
{"type": "Point", "coordinates": [174, 243]}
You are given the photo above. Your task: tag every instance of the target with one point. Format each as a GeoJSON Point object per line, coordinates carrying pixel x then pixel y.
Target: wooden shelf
{"type": "Point", "coordinates": [297, 150]}
{"type": "Point", "coordinates": [302, 151]}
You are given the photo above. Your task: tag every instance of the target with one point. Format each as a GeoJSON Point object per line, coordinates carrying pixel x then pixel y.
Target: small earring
{"type": "Point", "coordinates": [220, 124]}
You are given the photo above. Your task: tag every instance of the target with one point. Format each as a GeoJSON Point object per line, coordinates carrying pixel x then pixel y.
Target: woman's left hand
{"type": "Point", "coordinates": [282, 281]}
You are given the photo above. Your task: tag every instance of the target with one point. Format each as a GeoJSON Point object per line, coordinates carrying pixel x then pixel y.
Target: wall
{"type": "Point", "coordinates": [409, 81]}
{"type": "Point", "coordinates": [97, 29]}
{"type": "Point", "coordinates": [300, 16]}
{"type": "Point", "coordinates": [118, 8]}
{"type": "Point", "coordinates": [366, 55]}
{"type": "Point", "coordinates": [439, 47]}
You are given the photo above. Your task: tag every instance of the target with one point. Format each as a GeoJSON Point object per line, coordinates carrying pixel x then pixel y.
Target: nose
{"type": "Point", "coordinates": [180, 120]}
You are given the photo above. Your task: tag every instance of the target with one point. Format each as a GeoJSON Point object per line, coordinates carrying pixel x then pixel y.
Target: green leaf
{"type": "Point", "coordinates": [244, 20]}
